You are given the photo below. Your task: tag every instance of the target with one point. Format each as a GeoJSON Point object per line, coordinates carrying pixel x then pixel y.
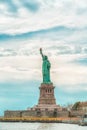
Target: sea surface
{"type": "Point", "coordinates": [40, 126]}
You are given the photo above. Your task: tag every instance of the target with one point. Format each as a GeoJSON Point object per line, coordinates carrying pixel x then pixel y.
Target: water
{"type": "Point", "coordinates": [40, 126]}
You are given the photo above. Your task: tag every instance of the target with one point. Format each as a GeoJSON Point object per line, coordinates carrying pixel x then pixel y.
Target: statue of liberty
{"type": "Point", "coordinates": [45, 68]}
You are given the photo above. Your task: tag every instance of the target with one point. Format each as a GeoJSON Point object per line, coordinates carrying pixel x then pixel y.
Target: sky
{"type": "Point", "coordinates": [59, 27]}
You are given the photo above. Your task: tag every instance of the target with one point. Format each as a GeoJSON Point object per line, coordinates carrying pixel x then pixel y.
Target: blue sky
{"type": "Point", "coordinates": [60, 28]}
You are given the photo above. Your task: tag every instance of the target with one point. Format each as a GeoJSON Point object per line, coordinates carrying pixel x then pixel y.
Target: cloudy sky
{"type": "Point", "coordinates": [60, 28]}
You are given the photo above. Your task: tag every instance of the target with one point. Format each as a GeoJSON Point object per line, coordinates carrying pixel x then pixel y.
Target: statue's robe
{"type": "Point", "coordinates": [46, 71]}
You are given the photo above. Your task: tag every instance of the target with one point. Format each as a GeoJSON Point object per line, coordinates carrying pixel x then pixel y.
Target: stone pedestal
{"type": "Point", "coordinates": [46, 94]}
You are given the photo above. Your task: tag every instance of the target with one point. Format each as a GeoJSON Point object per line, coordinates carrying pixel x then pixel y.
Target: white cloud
{"type": "Point", "coordinates": [70, 74]}
{"type": "Point", "coordinates": [28, 47]}
{"type": "Point", "coordinates": [3, 6]}
{"type": "Point", "coordinates": [50, 14]}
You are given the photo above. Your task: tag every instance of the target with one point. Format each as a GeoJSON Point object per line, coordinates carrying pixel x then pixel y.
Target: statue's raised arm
{"type": "Point", "coordinates": [41, 52]}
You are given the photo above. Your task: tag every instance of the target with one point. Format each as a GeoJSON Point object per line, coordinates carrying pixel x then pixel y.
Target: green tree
{"type": "Point", "coordinates": [75, 106]}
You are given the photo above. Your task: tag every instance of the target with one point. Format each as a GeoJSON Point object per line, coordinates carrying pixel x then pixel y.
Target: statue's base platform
{"type": "Point", "coordinates": [47, 107]}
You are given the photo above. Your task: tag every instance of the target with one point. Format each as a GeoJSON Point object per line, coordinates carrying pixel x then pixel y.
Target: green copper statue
{"type": "Point", "coordinates": [45, 68]}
